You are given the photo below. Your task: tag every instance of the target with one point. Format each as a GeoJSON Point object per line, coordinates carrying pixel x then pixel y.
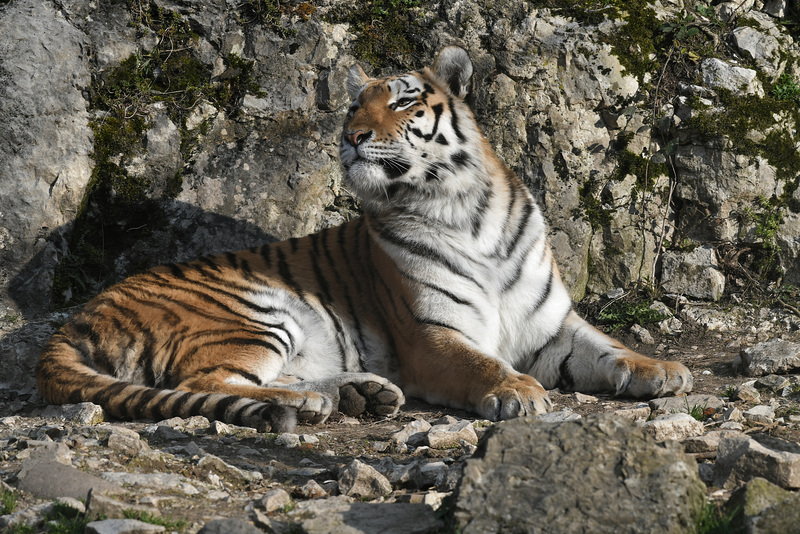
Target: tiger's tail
{"type": "Point", "coordinates": [64, 378]}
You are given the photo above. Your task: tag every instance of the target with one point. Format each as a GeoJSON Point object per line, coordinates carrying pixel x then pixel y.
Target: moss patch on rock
{"type": "Point", "coordinates": [118, 208]}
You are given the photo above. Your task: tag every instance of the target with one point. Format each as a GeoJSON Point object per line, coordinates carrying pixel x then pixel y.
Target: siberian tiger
{"type": "Point", "coordinates": [446, 287]}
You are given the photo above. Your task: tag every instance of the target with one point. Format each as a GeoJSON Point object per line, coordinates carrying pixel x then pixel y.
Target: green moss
{"type": "Point", "coordinates": [642, 168]}
{"type": "Point", "coordinates": [387, 31]}
{"type": "Point", "coordinates": [737, 116]}
{"type": "Point", "coordinates": [118, 209]}
{"type": "Point", "coordinates": [591, 207]}
{"type": "Point", "coordinates": [268, 13]}
{"type": "Point", "coordinates": [635, 43]}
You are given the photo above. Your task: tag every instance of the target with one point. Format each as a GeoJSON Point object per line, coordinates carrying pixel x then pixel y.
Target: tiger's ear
{"type": "Point", "coordinates": [453, 66]}
{"type": "Point", "coordinates": [356, 79]}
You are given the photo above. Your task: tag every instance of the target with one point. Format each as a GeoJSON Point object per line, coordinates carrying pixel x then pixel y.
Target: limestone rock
{"type": "Point", "coordinates": [675, 426]}
{"type": "Point", "coordinates": [670, 405]}
{"type": "Point", "coordinates": [769, 357]}
{"type": "Point", "coordinates": [46, 145]}
{"type": "Point", "coordinates": [122, 526]}
{"type": "Point", "coordinates": [739, 80]}
{"type": "Point", "coordinates": [761, 507]}
{"type": "Point", "coordinates": [741, 458]}
{"type": "Point", "coordinates": [628, 483]}
{"type": "Point", "coordinates": [450, 435]}
{"type": "Point", "coordinates": [760, 47]}
{"type": "Point", "coordinates": [338, 514]}
{"type": "Point", "coordinates": [694, 274]}
{"type": "Point", "coordinates": [361, 480]}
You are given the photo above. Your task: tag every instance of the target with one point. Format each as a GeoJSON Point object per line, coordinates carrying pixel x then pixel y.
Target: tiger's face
{"type": "Point", "coordinates": [411, 137]}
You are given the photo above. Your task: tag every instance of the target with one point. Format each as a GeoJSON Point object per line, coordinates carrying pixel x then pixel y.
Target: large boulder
{"type": "Point", "coordinates": [595, 474]}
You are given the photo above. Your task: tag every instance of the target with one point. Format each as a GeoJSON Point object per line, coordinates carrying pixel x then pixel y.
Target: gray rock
{"type": "Point", "coordinates": [772, 383]}
{"type": "Point", "coordinates": [46, 144]}
{"type": "Point", "coordinates": [156, 481]}
{"type": "Point", "coordinates": [642, 334]}
{"type": "Point", "coordinates": [762, 48]}
{"type": "Point", "coordinates": [738, 80]}
{"type": "Point", "coordinates": [338, 514]}
{"type": "Point", "coordinates": [776, 8]}
{"type": "Point", "coordinates": [760, 414]}
{"type": "Point", "coordinates": [101, 506]}
{"type": "Point", "coordinates": [769, 357]}
{"type": "Point", "coordinates": [274, 499]}
{"type": "Point", "coordinates": [762, 507]}
{"type": "Point", "coordinates": [446, 436]}
{"type": "Point", "coordinates": [741, 458]}
{"type": "Point", "coordinates": [84, 413]}
{"type": "Point", "coordinates": [706, 443]}
{"type": "Point", "coordinates": [628, 484]}
{"type": "Point", "coordinates": [669, 405]}
{"type": "Point", "coordinates": [636, 413]}
{"type": "Point", "coordinates": [413, 433]}
{"type": "Point", "coordinates": [122, 526]}
{"type": "Point", "coordinates": [361, 480]}
{"type": "Point", "coordinates": [288, 440]}
{"type": "Point", "coordinates": [694, 274]}
{"type": "Point", "coordinates": [676, 426]}
{"type": "Point", "coordinates": [217, 465]}
{"type": "Point", "coordinates": [229, 526]}
{"type": "Point", "coordinates": [127, 442]}
{"type": "Point", "coordinates": [49, 479]}
{"type": "Point", "coordinates": [747, 393]}
{"type": "Point", "coordinates": [558, 417]}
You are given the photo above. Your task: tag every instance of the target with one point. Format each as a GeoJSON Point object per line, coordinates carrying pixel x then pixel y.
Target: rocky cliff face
{"type": "Point", "coordinates": [136, 133]}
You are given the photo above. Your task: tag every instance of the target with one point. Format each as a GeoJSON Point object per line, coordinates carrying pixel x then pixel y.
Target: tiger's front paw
{"type": "Point", "coordinates": [516, 396]}
{"type": "Point", "coordinates": [642, 377]}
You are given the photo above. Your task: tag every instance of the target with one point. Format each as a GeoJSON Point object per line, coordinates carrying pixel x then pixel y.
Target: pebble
{"type": "Point", "coordinates": [760, 414]}
{"type": "Point", "coordinates": [288, 440]}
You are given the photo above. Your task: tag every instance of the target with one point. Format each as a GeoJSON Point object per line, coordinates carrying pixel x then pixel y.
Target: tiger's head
{"type": "Point", "coordinates": [412, 139]}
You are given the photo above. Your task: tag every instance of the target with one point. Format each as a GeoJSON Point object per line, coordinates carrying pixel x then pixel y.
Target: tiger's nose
{"type": "Point", "coordinates": [358, 137]}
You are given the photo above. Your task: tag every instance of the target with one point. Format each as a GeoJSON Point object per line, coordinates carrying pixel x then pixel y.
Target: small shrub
{"type": "Point", "coordinates": [8, 502]}
{"type": "Point", "coordinates": [622, 313]}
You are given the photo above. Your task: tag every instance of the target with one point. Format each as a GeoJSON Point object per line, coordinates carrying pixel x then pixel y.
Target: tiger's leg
{"type": "Point", "coordinates": [443, 368]}
{"type": "Point", "coordinates": [354, 394]}
{"type": "Point", "coordinates": [584, 359]}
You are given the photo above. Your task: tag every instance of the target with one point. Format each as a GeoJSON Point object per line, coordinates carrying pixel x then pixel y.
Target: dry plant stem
{"type": "Point", "coordinates": [660, 245]}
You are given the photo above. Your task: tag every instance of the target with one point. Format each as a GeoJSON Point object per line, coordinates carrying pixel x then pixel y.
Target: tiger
{"type": "Point", "coordinates": [444, 289]}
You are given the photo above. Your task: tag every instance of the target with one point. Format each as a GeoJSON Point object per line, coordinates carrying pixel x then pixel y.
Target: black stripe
{"type": "Point", "coordinates": [222, 406]}
{"type": "Point", "coordinates": [452, 296]}
{"type": "Point", "coordinates": [232, 370]}
{"type": "Point", "coordinates": [431, 322]}
{"type": "Point", "coordinates": [425, 251]}
{"type": "Point", "coordinates": [460, 159]}
{"type": "Point", "coordinates": [522, 224]}
{"type": "Point", "coordinates": [478, 215]}
{"type": "Point", "coordinates": [196, 406]}
{"type": "Point", "coordinates": [545, 294]}
{"type": "Point", "coordinates": [233, 259]}
{"type": "Point", "coordinates": [394, 167]}
{"type": "Point", "coordinates": [565, 379]}
{"type": "Point", "coordinates": [266, 253]}
{"type": "Point", "coordinates": [442, 140]}
{"type": "Point", "coordinates": [176, 270]}
{"type": "Point", "coordinates": [454, 120]}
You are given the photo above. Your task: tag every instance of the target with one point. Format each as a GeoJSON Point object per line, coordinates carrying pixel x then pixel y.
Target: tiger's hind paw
{"type": "Point", "coordinates": [372, 394]}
